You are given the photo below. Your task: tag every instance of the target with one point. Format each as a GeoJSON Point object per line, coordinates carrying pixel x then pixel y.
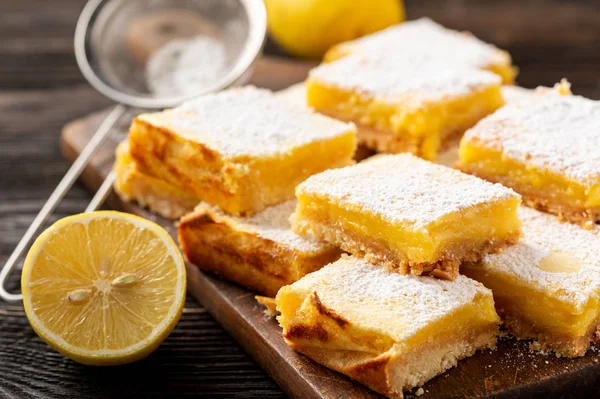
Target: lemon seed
{"type": "Point", "coordinates": [125, 280]}
{"type": "Point", "coordinates": [78, 296]}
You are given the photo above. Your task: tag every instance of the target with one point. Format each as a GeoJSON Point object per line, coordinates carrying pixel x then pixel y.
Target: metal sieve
{"type": "Point", "coordinates": [114, 39]}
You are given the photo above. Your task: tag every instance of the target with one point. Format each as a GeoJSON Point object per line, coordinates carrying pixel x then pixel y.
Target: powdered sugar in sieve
{"type": "Point", "coordinates": [185, 66]}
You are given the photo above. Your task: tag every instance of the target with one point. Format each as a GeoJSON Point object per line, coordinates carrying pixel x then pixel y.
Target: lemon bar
{"type": "Point", "coordinates": [241, 149]}
{"type": "Point", "coordinates": [388, 331]}
{"type": "Point", "coordinates": [547, 286]}
{"type": "Point", "coordinates": [259, 252]}
{"type": "Point", "coordinates": [407, 214]}
{"type": "Point", "coordinates": [162, 198]}
{"type": "Point", "coordinates": [511, 94]}
{"type": "Point", "coordinates": [404, 104]}
{"type": "Point", "coordinates": [546, 149]}
{"type": "Point", "coordinates": [424, 36]}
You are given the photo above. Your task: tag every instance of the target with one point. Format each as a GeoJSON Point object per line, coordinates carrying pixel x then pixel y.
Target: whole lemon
{"type": "Point", "coordinates": [307, 28]}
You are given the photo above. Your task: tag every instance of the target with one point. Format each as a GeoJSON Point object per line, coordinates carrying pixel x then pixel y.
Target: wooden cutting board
{"type": "Point", "coordinates": [509, 371]}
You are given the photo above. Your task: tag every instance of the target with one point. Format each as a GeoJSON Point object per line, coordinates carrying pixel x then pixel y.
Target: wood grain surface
{"type": "Point", "coordinates": [41, 89]}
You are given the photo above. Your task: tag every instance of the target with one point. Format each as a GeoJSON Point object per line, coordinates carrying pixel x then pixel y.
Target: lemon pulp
{"type": "Point", "coordinates": [104, 287]}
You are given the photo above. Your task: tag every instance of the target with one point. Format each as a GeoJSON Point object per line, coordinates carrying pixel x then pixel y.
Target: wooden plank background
{"type": "Point", "coordinates": [41, 89]}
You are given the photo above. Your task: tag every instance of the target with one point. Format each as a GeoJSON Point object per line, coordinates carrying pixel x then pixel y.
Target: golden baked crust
{"type": "Point", "coordinates": [259, 252]}
{"type": "Point", "coordinates": [545, 199]}
{"type": "Point", "coordinates": [379, 371]}
{"type": "Point", "coordinates": [242, 149]}
{"type": "Point", "coordinates": [547, 286]}
{"type": "Point", "coordinates": [440, 126]}
{"type": "Point", "coordinates": [398, 105]}
{"type": "Point", "coordinates": [379, 252]}
{"type": "Point", "coordinates": [388, 331]}
{"type": "Point", "coordinates": [562, 345]}
{"type": "Point", "coordinates": [269, 304]}
{"type": "Point", "coordinates": [382, 141]}
{"type": "Point", "coordinates": [544, 146]}
{"type": "Point", "coordinates": [407, 214]}
{"type": "Point", "coordinates": [160, 197]}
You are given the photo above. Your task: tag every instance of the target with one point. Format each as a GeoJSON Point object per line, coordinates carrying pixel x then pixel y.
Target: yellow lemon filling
{"type": "Point", "coordinates": [536, 307]}
{"type": "Point", "coordinates": [492, 164]}
{"type": "Point", "coordinates": [421, 130]}
{"type": "Point", "coordinates": [389, 331]}
{"type": "Point", "coordinates": [474, 225]}
{"type": "Point", "coordinates": [297, 307]}
{"type": "Point", "coordinates": [237, 156]}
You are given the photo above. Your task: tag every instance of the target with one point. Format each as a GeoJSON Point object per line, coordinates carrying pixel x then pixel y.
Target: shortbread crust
{"type": "Point", "coordinates": [408, 214]}
{"type": "Point", "coordinates": [131, 184]}
{"type": "Point", "coordinates": [413, 104]}
{"type": "Point", "coordinates": [547, 286]}
{"type": "Point", "coordinates": [259, 252]}
{"type": "Point", "coordinates": [388, 331]}
{"type": "Point", "coordinates": [545, 149]}
{"type": "Point", "coordinates": [241, 149]}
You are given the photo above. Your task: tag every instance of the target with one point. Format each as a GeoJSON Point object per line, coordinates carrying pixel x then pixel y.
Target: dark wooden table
{"type": "Point", "coordinates": [41, 89]}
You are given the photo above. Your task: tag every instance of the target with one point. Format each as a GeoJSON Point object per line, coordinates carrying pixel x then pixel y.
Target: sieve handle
{"type": "Point", "coordinates": [58, 194]}
{"type": "Point", "coordinates": [102, 193]}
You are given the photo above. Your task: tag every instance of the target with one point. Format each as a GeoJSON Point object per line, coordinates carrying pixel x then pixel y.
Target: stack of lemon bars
{"type": "Point", "coordinates": [392, 269]}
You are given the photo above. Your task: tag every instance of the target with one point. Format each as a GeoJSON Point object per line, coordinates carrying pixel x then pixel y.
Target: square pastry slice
{"type": "Point", "coordinates": [162, 198]}
{"type": "Point", "coordinates": [388, 331]}
{"type": "Point", "coordinates": [547, 286]}
{"type": "Point", "coordinates": [241, 149]}
{"type": "Point", "coordinates": [259, 252]}
{"type": "Point", "coordinates": [511, 94]}
{"type": "Point", "coordinates": [404, 103]}
{"type": "Point", "coordinates": [407, 214]}
{"type": "Point", "coordinates": [424, 36]}
{"type": "Point", "coordinates": [547, 149]}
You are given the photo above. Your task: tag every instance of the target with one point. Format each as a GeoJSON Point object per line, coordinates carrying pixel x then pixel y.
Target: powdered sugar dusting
{"type": "Point", "coordinates": [426, 36]}
{"type": "Point", "coordinates": [410, 79]}
{"type": "Point", "coordinates": [380, 299]}
{"type": "Point", "coordinates": [556, 133]}
{"type": "Point", "coordinates": [514, 94]}
{"type": "Point", "coordinates": [544, 235]}
{"type": "Point", "coordinates": [405, 189]}
{"type": "Point", "coordinates": [273, 224]}
{"type": "Point", "coordinates": [248, 122]}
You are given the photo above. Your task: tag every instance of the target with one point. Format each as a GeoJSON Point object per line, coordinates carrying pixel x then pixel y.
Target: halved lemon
{"type": "Point", "coordinates": [104, 287]}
